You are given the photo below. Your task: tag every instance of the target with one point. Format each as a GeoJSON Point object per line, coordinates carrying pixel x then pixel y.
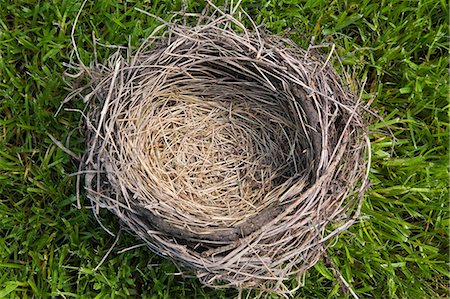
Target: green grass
{"type": "Point", "coordinates": [399, 248]}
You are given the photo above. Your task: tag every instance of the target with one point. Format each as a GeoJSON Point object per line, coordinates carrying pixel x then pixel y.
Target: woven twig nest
{"type": "Point", "coordinates": [228, 150]}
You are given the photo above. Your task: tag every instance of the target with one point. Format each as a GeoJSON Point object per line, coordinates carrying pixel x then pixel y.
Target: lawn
{"type": "Point", "coordinates": [398, 249]}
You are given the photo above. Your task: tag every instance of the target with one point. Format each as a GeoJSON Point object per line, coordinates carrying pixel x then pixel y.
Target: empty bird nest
{"type": "Point", "coordinates": [233, 152]}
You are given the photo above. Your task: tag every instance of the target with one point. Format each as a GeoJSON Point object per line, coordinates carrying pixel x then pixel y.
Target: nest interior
{"type": "Point", "coordinates": [229, 151]}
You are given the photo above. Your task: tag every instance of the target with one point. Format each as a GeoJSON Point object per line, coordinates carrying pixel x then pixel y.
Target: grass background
{"type": "Point", "coordinates": [400, 247]}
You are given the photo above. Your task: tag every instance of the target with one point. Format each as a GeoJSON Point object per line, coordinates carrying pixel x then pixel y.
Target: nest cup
{"type": "Point", "coordinates": [234, 153]}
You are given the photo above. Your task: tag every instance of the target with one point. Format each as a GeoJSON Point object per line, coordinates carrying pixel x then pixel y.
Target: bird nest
{"type": "Point", "coordinates": [233, 152]}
